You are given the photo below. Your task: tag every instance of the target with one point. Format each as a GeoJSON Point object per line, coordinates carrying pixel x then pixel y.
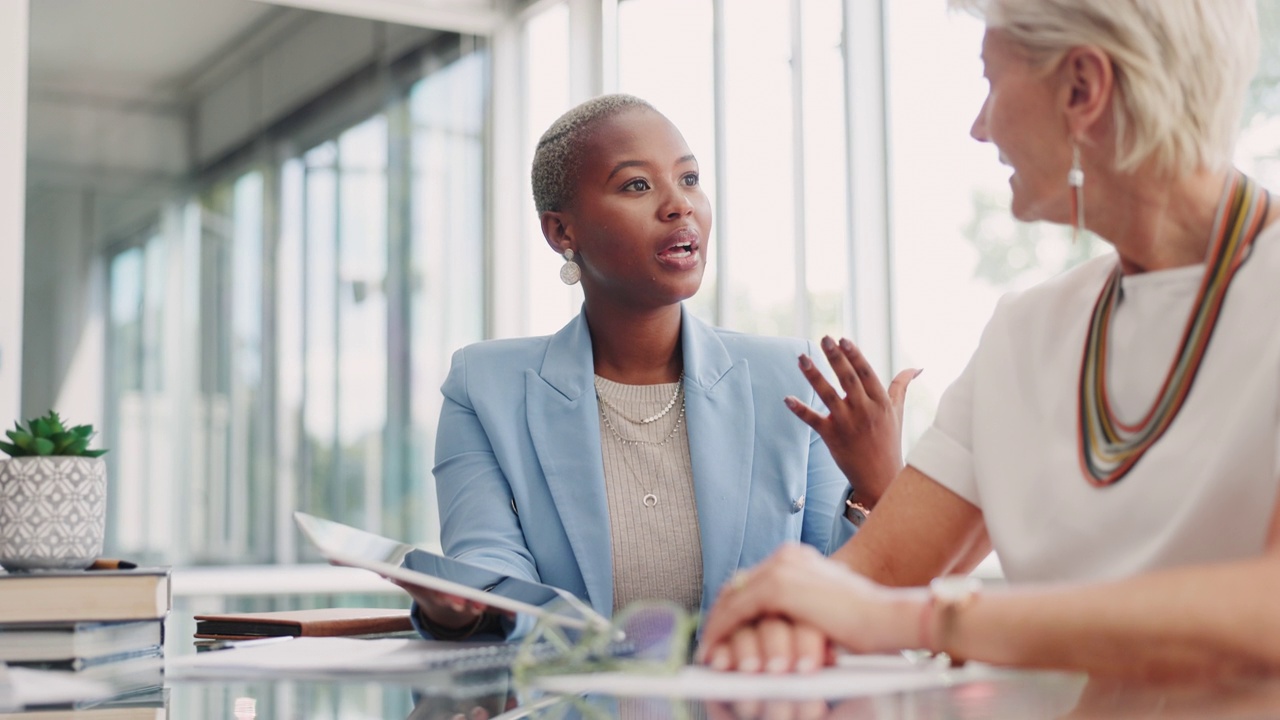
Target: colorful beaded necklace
{"type": "Point", "coordinates": [1109, 448]}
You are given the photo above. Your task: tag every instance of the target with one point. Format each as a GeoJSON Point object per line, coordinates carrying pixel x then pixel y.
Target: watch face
{"type": "Point", "coordinates": [954, 588]}
{"type": "Point", "coordinates": [857, 516]}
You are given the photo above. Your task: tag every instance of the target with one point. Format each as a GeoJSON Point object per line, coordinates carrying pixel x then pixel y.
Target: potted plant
{"type": "Point", "coordinates": [53, 497]}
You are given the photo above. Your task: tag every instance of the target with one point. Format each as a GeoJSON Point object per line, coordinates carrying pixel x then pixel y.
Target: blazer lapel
{"type": "Point", "coordinates": [563, 422]}
{"type": "Point", "coordinates": [721, 420]}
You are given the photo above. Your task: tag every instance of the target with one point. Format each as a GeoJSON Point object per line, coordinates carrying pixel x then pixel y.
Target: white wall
{"type": "Point", "coordinates": [13, 120]}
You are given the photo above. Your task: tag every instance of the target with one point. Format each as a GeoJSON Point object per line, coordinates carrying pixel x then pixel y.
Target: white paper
{"type": "Point", "coordinates": [309, 656]}
{"type": "Point", "coordinates": [853, 676]}
{"type": "Point", "coordinates": [47, 687]}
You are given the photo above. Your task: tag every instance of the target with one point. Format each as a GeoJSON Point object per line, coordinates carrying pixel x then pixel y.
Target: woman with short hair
{"type": "Point", "coordinates": [638, 453]}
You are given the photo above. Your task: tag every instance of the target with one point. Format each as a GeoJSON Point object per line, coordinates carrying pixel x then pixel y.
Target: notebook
{"type": "Point", "coordinates": [345, 545]}
{"type": "Point", "coordinates": [312, 623]}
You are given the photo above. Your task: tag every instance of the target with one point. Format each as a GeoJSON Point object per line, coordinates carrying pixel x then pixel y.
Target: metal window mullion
{"type": "Point", "coordinates": [507, 285]}
{"type": "Point", "coordinates": [400, 340]}
{"type": "Point", "coordinates": [869, 300]}
{"type": "Point", "coordinates": [724, 252]}
{"type": "Point", "coordinates": [801, 299]}
{"type": "Point", "coordinates": [335, 442]}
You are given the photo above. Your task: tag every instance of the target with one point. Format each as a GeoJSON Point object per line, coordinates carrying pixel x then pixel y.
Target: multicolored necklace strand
{"type": "Point", "coordinates": [1109, 448]}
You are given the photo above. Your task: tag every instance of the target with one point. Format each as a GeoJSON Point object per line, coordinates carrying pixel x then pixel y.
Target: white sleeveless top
{"type": "Point", "coordinates": [1005, 435]}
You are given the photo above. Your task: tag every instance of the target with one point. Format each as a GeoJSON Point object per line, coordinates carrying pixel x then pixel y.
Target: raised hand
{"type": "Point", "coordinates": [863, 429]}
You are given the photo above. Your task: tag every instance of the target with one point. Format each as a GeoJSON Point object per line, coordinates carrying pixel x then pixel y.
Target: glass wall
{"type": "Point", "coordinates": [277, 342]}
{"type": "Point", "coordinates": [957, 249]}
{"type": "Point", "coordinates": [277, 339]}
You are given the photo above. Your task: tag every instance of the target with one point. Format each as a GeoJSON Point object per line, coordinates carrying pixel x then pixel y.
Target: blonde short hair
{"type": "Point", "coordinates": [1182, 67]}
{"type": "Point", "coordinates": [558, 157]}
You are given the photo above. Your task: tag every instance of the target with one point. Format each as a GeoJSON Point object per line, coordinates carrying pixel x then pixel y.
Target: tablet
{"type": "Point", "coordinates": [345, 545]}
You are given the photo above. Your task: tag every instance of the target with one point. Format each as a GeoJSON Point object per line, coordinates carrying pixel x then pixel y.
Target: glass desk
{"type": "Point", "coordinates": [491, 694]}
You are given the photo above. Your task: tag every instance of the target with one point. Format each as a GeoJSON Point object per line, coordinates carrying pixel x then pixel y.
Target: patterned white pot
{"type": "Point", "coordinates": [53, 512]}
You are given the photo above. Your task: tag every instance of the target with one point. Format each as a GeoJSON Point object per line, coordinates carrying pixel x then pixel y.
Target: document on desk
{"type": "Point", "coordinates": [853, 676]}
{"type": "Point", "coordinates": [24, 688]}
{"type": "Point", "coordinates": [324, 656]}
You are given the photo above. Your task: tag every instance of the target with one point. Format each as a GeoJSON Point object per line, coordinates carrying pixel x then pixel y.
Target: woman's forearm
{"type": "Point", "coordinates": [918, 530]}
{"type": "Point", "coordinates": [1192, 621]}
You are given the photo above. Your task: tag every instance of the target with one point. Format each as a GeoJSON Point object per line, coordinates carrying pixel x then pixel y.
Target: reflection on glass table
{"type": "Point", "coordinates": [492, 694]}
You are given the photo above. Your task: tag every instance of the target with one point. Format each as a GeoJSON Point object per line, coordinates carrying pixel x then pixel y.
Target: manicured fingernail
{"type": "Point", "coordinates": [806, 665]}
{"type": "Point", "coordinates": [805, 362]}
{"type": "Point", "coordinates": [776, 665]}
{"type": "Point", "coordinates": [749, 664]}
{"type": "Point", "coordinates": [720, 661]}
{"type": "Point", "coordinates": [791, 402]}
{"type": "Point", "coordinates": [828, 344]}
{"type": "Point", "coordinates": [846, 344]}
{"type": "Point", "coordinates": [917, 373]}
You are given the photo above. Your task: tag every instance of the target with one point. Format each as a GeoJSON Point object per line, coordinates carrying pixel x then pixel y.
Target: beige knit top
{"type": "Point", "coordinates": [648, 479]}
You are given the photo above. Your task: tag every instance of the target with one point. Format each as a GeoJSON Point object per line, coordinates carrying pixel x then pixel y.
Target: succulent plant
{"type": "Point", "coordinates": [49, 436]}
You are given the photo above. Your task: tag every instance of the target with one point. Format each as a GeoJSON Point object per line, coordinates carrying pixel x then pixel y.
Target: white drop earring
{"type": "Point", "coordinates": [570, 273]}
{"type": "Point", "coordinates": [1075, 180]}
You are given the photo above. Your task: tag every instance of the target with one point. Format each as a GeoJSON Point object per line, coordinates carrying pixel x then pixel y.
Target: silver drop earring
{"type": "Point", "coordinates": [1075, 180]}
{"type": "Point", "coordinates": [570, 273]}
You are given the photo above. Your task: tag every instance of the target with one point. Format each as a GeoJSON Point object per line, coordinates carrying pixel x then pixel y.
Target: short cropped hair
{"type": "Point", "coordinates": [559, 154]}
{"type": "Point", "coordinates": [1182, 67]}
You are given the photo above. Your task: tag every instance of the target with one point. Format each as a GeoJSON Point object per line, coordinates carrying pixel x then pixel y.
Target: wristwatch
{"type": "Point", "coordinates": [948, 595]}
{"type": "Point", "coordinates": [856, 511]}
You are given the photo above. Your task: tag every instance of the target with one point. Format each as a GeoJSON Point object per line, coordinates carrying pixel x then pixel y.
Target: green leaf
{"type": "Point", "coordinates": [54, 423]}
{"type": "Point", "coordinates": [77, 447]}
{"type": "Point", "coordinates": [62, 441]}
{"type": "Point", "coordinates": [84, 431]}
{"type": "Point", "coordinates": [95, 453]}
{"type": "Point", "coordinates": [44, 447]}
{"type": "Point", "coordinates": [39, 429]}
{"type": "Point", "coordinates": [12, 450]}
{"type": "Point", "coordinates": [21, 439]}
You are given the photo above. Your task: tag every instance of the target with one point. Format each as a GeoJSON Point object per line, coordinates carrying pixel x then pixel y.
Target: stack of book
{"type": "Point", "coordinates": [102, 624]}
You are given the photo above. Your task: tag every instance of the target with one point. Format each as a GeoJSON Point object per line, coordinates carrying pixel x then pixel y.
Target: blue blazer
{"type": "Point", "coordinates": [520, 475]}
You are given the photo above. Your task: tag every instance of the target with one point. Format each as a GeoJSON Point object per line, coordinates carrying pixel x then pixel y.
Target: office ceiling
{"type": "Point", "coordinates": [132, 48]}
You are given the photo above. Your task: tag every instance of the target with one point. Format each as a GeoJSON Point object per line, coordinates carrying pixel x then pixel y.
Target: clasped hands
{"type": "Point", "coordinates": [768, 619]}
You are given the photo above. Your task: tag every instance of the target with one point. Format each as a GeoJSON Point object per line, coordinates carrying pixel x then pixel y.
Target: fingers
{"type": "Point", "coordinates": [845, 369]}
{"type": "Point", "coordinates": [898, 389]}
{"type": "Point", "coordinates": [811, 649]}
{"type": "Point", "coordinates": [806, 414]}
{"type": "Point", "coordinates": [776, 645]}
{"type": "Point", "coordinates": [825, 392]}
{"type": "Point", "coordinates": [861, 368]}
{"type": "Point", "coordinates": [746, 649]}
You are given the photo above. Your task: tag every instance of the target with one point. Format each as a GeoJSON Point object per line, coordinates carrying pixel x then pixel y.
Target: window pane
{"type": "Point", "coordinates": [1258, 152]}
{"type": "Point", "coordinates": [320, 414]}
{"type": "Point", "coordinates": [957, 248]}
{"type": "Point", "coordinates": [826, 226]}
{"type": "Point", "coordinates": [125, 429]}
{"type": "Point", "coordinates": [670, 65]}
{"type": "Point", "coordinates": [546, 80]}
{"type": "Point", "coordinates": [362, 321]}
{"type": "Point", "coordinates": [447, 112]}
{"type": "Point", "coordinates": [759, 233]}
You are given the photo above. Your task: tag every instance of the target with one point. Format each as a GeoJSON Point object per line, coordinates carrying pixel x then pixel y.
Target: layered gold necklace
{"type": "Point", "coordinates": [1109, 448]}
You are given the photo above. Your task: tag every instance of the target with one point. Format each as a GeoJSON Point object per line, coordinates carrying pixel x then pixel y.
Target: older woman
{"type": "Point", "coordinates": [638, 453]}
{"type": "Point", "coordinates": [1116, 435]}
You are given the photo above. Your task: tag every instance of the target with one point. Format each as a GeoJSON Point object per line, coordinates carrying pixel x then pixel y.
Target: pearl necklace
{"type": "Point", "coordinates": [652, 418]}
